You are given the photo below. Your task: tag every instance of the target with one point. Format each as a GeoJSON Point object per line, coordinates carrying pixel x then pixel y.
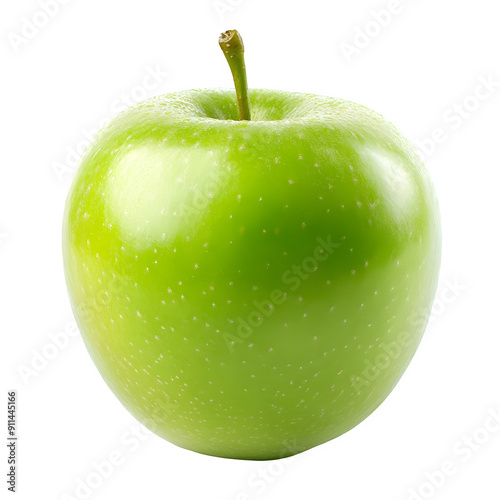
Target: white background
{"type": "Point", "coordinates": [89, 58]}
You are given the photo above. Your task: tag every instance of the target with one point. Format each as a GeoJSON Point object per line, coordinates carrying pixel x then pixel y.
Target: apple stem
{"type": "Point", "coordinates": [231, 44]}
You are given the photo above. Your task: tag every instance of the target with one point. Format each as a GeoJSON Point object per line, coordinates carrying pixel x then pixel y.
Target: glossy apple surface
{"type": "Point", "coordinates": [251, 289]}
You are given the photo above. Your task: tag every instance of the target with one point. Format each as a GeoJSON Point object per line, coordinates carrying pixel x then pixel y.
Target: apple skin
{"type": "Point", "coordinates": [251, 289]}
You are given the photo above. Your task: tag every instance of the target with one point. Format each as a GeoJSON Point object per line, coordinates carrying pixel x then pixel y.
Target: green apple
{"type": "Point", "coordinates": [251, 288]}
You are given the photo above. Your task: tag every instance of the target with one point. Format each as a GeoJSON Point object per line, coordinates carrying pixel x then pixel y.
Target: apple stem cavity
{"type": "Point", "coordinates": [231, 44]}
